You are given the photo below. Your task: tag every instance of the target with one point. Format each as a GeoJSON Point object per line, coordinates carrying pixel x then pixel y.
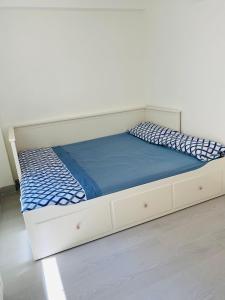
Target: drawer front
{"type": "Point", "coordinates": [140, 207]}
{"type": "Point", "coordinates": [67, 231]}
{"type": "Point", "coordinates": [197, 189]}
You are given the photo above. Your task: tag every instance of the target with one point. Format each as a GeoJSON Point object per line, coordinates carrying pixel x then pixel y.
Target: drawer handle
{"type": "Point", "coordinates": [78, 226]}
{"type": "Point", "coordinates": [145, 205]}
{"type": "Point", "coordinates": [200, 188]}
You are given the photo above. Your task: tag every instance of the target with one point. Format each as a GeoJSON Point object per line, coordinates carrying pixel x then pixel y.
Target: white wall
{"type": "Point", "coordinates": [5, 172]}
{"type": "Point", "coordinates": [57, 62]}
{"type": "Point", "coordinates": [187, 62]}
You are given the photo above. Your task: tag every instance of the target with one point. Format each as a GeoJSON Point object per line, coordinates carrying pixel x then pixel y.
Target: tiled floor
{"type": "Point", "coordinates": [180, 256]}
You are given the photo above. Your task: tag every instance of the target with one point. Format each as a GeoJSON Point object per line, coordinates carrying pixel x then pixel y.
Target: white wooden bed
{"type": "Point", "coordinates": [56, 228]}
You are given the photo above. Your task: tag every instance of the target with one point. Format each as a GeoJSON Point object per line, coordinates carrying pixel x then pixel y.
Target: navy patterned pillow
{"type": "Point", "coordinates": [151, 132]}
{"type": "Point", "coordinates": [203, 149]}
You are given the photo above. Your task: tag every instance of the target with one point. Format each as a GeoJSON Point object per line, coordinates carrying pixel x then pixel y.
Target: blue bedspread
{"type": "Point", "coordinates": [121, 161]}
{"type": "Point", "coordinates": [78, 172]}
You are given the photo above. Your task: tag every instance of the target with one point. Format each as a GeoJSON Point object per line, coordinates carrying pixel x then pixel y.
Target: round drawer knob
{"type": "Point", "coordinates": [78, 226]}
{"type": "Point", "coordinates": [145, 205]}
{"type": "Point", "coordinates": [200, 188]}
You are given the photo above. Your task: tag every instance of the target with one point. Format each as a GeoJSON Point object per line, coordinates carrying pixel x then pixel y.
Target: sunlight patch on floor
{"type": "Point", "coordinates": [53, 281]}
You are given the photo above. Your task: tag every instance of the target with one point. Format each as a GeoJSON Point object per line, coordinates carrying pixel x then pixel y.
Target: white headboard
{"type": "Point", "coordinates": [164, 116]}
{"type": "Point", "coordinates": [83, 127]}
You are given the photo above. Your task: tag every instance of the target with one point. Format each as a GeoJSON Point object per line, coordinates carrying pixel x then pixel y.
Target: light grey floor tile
{"type": "Point", "coordinates": [180, 256]}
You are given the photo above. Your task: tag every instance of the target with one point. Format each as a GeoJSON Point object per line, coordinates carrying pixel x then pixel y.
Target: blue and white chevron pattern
{"type": "Point", "coordinates": [203, 149]}
{"type": "Point", "coordinates": [47, 181]}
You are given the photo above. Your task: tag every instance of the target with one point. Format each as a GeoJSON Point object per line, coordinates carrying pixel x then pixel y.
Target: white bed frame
{"type": "Point", "coordinates": [56, 228]}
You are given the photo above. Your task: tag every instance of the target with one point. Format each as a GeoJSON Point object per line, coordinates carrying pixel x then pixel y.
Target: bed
{"type": "Point", "coordinates": [120, 180]}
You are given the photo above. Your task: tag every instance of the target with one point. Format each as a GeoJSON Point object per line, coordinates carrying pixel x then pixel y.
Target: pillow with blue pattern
{"type": "Point", "coordinates": [203, 149]}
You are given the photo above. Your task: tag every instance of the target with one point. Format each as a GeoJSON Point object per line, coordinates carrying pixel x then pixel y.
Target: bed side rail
{"type": "Point", "coordinates": [12, 141]}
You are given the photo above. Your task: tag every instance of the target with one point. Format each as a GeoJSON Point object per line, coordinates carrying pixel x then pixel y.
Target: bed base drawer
{"type": "Point", "coordinates": [57, 234]}
{"type": "Point", "coordinates": [197, 189]}
{"type": "Point", "coordinates": [137, 209]}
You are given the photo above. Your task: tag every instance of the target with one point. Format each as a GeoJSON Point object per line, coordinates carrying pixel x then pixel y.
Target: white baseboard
{"type": "Point", "coordinates": [1, 288]}
{"type": "Point", "coordinates": [8, 190]}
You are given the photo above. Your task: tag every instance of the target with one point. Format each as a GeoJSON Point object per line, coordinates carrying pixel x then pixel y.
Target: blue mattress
{"type": "Point", "coordinates": [114, 163]}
